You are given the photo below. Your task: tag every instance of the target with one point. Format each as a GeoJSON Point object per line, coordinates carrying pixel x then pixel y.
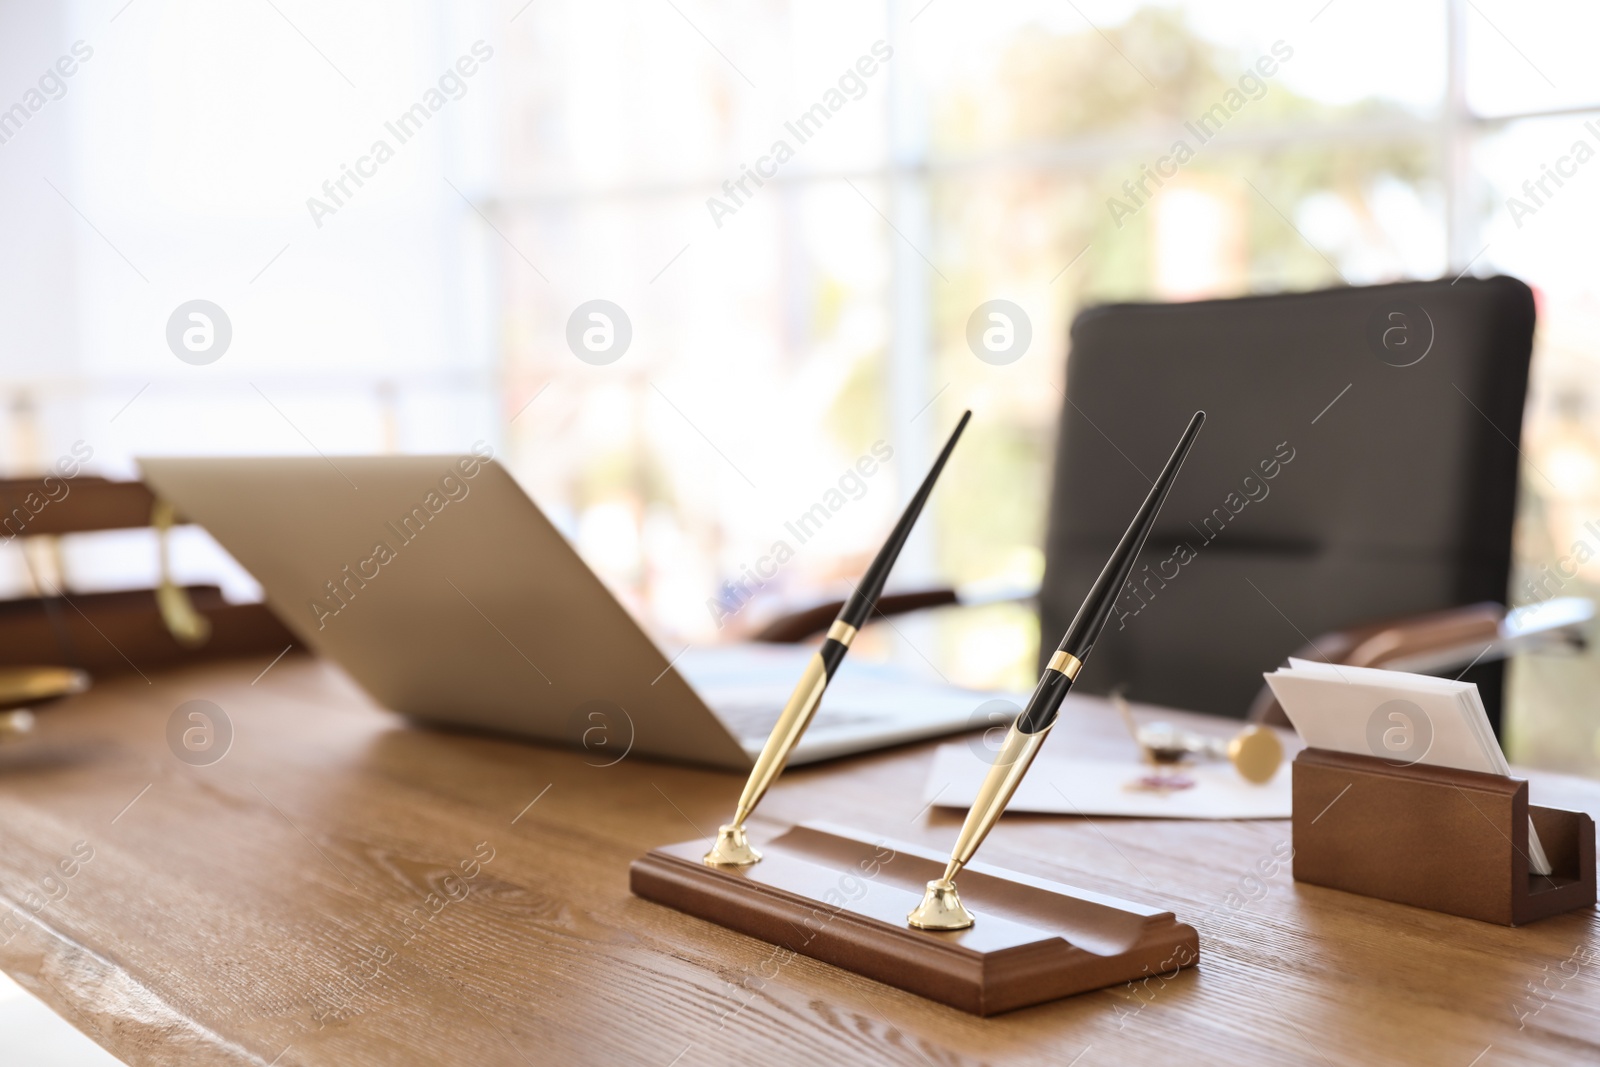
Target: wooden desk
{"type": "Point", "coordinates": [226, 909]}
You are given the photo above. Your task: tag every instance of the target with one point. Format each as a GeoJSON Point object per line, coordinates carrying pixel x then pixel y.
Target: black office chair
{"type": "Point", "coordinates": [1350, 498]}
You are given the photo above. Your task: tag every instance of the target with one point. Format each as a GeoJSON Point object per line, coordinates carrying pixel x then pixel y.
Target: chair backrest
{"type": "Point", "coordinates": [1359, 461]}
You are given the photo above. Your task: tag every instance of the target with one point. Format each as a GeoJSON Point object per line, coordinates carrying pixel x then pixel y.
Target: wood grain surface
{"type": "Point", "coordinates": [343, 888]}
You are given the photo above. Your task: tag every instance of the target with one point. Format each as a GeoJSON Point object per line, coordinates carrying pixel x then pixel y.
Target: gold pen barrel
{"type": "Point", "coordinates": [785, 735]}
{"type": "Point", "coordinates": [941, 908]}
{"type": "Point", "coordinates": [732, 849]}
{"type": "Point", "coordinates": [1010, 764]}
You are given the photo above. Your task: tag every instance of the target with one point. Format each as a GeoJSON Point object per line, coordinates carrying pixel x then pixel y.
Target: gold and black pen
{"type": "Point", "coordinates": [732, 848]}
{"type": "Point", "coordinates": [941, 907]}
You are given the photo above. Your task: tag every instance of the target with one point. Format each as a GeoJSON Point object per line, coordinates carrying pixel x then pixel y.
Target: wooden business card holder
{"type": "Point", "coordinates": [840, 896]}
{"type": "Point", "coordinates": [1437, 838]}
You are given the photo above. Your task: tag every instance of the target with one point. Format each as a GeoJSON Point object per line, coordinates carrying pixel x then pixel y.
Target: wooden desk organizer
{"type": "Point", "coordinates": [840, 896]}
{"type": "Point", "coordinates": [1437, 838]}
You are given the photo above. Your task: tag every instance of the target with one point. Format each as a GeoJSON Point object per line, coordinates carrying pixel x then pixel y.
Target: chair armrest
{"type": "Point", "coordinates": [809, 622]}
{"type": "Point", "coordinates": [1440, 642]}
{"type": "Point", "coordinates": [1473, 626]}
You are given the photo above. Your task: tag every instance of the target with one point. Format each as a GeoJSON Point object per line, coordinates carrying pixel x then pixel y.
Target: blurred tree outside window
{"type": "Point", "coordinates": [789, 312]}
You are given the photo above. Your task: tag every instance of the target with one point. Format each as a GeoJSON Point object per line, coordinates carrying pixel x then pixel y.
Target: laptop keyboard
{"type": "Point", "coordinates": [755, 721]}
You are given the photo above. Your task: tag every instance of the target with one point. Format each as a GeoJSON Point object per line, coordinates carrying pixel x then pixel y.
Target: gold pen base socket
{"type": "Point", "coordinates": [732, 849]}
{"type": "Point", "coordinates": [941, 909]}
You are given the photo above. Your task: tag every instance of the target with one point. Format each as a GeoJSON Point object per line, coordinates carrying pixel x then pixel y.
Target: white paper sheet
{"type": "Point", "coordinates": [1059, 785]}
{"type": "Point", "coordinates": [1411, 718]}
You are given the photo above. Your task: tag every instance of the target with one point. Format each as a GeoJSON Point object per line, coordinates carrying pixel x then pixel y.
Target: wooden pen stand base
{"type": "Point", "coordinates": [840, 896]}
{"type": "Point", "coordinates": [1437, 838]}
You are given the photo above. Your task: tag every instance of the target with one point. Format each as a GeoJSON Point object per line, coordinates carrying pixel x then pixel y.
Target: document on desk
{"type": "Point", "coordinates": [1062, 785]}
{"type": "Point", "coordinates": [1403, 718]}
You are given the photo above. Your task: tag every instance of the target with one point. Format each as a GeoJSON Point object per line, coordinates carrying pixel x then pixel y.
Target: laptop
{"type": "Point", "coordinates": [439, 586]}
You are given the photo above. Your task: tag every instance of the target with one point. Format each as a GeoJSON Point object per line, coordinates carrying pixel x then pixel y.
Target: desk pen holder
{"type": "Point", "coordinates": [1438, 838]}
{"type": "Point", "coordinates": [841, 896]}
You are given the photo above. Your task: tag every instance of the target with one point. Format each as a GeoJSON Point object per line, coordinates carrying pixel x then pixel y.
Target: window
{"type": "Point", "coordinates": [791, 212]}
